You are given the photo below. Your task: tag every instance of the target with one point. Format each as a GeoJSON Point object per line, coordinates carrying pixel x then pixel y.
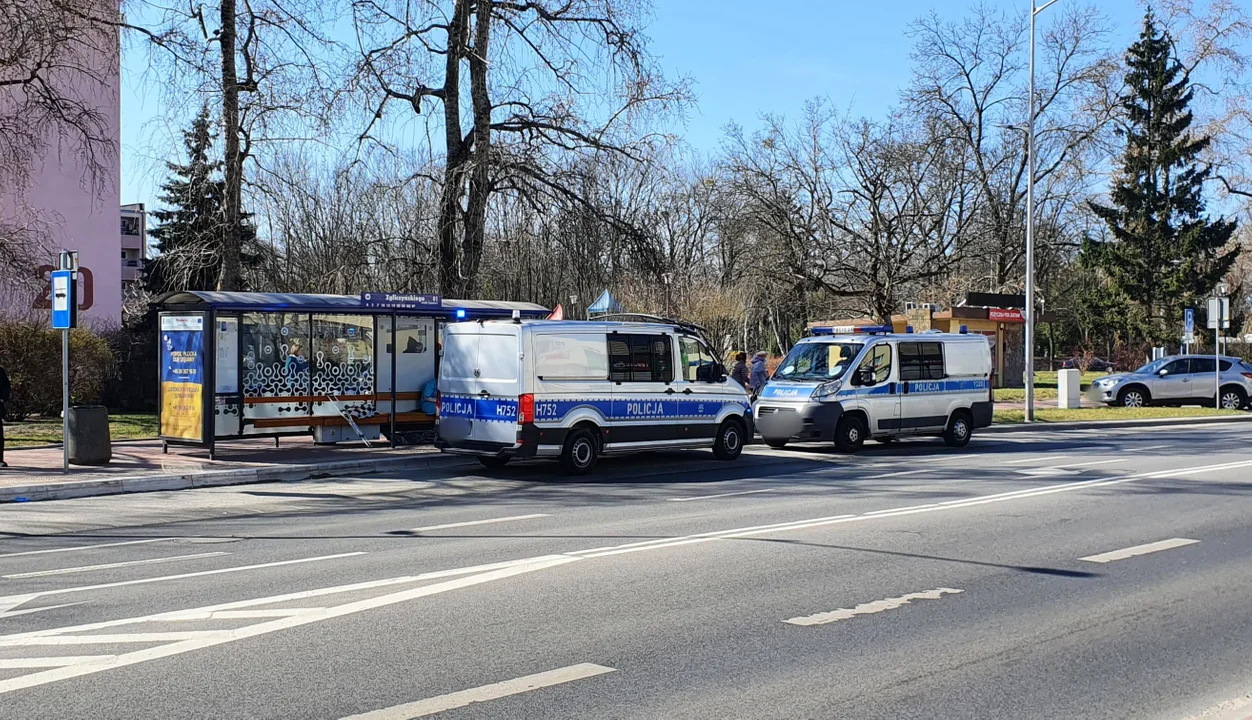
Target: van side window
{"type": "Point", "coordinates": [879, 358]}
{"type": "Point", "coordinates": [640, 358]}
{"type": "Point", "coordinates": [697, 360]}
{"type": "Point", "coordinates": [921, 361]}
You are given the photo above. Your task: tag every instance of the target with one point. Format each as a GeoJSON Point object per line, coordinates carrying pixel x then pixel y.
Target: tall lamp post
{"type": "Point", "coordinates": [1030, 221]}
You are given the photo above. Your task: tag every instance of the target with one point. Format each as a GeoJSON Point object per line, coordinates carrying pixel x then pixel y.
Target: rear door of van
{"type": "Point", "coordinates": [479, 384]}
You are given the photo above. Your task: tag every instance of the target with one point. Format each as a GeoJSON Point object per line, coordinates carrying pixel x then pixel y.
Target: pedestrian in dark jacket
{"type": "Point", "coordinates": [740, 369]}
{"type": "Point", "coordinates": [4, 401]}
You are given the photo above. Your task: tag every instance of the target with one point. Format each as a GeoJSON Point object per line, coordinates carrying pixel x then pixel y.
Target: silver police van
{"type": "Point", "coordinates": [846, 385]}
{"type": "Point", "coordinates": [574, 390]}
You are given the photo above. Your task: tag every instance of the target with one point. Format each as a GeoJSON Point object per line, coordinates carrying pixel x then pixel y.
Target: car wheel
{"type": "Point", "coordinates": [849, 434]}
{"type": "Point", "coordinates": [960, 429]}
{"type": "Point", "coordinates": [580, 454]}
{"type": "Point", "coordinates": [729, 442]}
{"type": "Point", "coordinates": [1133, 397]}
{"type": "Point", "coordinates": [493, 462]}
{"type": "Point", "coordinates": [776, 444]}
{"type": "Point", "coordinates": [1233, 399]}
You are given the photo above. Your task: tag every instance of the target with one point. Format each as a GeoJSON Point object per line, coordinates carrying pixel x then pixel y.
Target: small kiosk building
{"type": "Point", "coordinates": [237, 364]}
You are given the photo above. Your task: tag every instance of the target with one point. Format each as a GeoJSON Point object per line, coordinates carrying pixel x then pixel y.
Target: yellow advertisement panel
{"type": "Point", "coordinates": [182, 377]}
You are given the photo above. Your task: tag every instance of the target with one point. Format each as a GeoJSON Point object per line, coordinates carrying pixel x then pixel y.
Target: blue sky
{"type": "Point", "coordinates": [745, 56]}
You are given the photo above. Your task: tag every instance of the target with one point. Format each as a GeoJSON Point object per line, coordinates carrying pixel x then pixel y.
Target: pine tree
{"type": "Point", "coordinates": [189, 234]}
{"type": "Point", "coordinates": [1163, 254]}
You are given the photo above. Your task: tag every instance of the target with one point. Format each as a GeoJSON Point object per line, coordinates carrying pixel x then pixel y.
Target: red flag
{"type": "Point", "coordinates": [558, 313]}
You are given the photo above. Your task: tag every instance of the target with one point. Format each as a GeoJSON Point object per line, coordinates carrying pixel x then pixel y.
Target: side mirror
{"type": "Point", "coordinates": [1162, 372]}
{"type": "Point", "coordinates": [865, 376]}
{"type": "Point", "coordinates": [719, 372]}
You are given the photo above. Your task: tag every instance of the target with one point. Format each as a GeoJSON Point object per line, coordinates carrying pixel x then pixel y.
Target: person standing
{"type": "Point", "coordinates": [759, 375]}
{"type": "Point", "coordinates": [740, 369]}
{"type": "Point", "coordinates": [4, 401]}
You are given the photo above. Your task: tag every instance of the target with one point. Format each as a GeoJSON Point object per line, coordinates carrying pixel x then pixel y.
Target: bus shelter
{"type": "Point", "coordinates": [238, 364]}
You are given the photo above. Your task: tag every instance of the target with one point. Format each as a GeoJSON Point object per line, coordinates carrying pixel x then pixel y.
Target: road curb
{"type": "Point", "coordinates": [1112, 424]}
{"type": "Point", "coordinates": [219, 478]}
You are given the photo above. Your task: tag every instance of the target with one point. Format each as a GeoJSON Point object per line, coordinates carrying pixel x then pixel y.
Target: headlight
{"type": "Point", "coordinates": [825, 391]}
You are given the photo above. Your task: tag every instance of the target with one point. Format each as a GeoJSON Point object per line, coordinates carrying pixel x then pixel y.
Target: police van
{"type": "Point", "coordinates": [845, 385]}
{"type": "Point", "coordinates": [576, 390]}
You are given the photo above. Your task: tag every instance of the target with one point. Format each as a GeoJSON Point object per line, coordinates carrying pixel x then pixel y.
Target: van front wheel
{"type": "Point", "coordinates": [580, 453]}
{"type": "Point", "coordinates": [729, 442]}
{"type": "Point", "coordinates": [849, 434]}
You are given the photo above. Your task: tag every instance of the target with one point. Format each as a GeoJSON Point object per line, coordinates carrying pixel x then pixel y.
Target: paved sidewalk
{"type": "Point", "coordinates": [35, 473]}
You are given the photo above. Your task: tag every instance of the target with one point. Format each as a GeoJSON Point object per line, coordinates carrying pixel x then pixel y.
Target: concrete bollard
{"type": "Point", "coordinates": [1069, 389]}
{"type": "Point", "coordinates": [89, 441]}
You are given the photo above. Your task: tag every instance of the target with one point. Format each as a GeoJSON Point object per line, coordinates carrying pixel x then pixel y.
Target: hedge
{"type": "Point", "coordinates": [31, 354]}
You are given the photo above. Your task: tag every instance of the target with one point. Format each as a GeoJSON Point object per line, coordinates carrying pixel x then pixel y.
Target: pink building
{"type": "Point", "coordinates": [65, 209]}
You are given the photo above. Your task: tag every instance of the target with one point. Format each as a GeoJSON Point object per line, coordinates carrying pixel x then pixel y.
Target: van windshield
{"type": "Point", "coordinates": [817, 361]}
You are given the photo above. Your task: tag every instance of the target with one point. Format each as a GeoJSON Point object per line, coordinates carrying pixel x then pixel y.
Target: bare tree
{"type": "Point", "coordinates": [547, 79]}
{"type": "Point", "coordinates": [54, 67]}
{"type": "Point", "coordinates": [969, 76]}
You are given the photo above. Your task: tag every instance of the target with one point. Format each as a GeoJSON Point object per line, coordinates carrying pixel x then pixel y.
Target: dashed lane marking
{"type": "Point", "coordinates": [469, 523]}
{"type": "Point", "coordinates": [1138, 550]}
{"type": "Point", "coordinates": [825, 618]}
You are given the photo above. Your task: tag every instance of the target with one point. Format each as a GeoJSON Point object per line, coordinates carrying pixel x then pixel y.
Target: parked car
{"type": "Point", "coordinates": [1178, 380]}
{"type": "Point", "coordinates": [1092, 365]}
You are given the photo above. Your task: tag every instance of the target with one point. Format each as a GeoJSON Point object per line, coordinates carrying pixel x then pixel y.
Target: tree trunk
{"type": "Point", "coordinates": [480, 170]}
{"type": "Point", "coordinates": [231, 275]}
{"type": "Point", "coordinates": [450, 275]}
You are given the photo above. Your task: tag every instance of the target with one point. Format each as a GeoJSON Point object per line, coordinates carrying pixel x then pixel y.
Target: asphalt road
{"type": "Point", "coordinates": [1042, 575]}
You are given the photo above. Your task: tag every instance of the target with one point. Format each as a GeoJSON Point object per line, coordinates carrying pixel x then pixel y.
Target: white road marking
{"type": "Point", "coordinates": [218, 638]}
{"type": "Point", "coordinates": [27, 611]}
{"type": "Point", "coordinates": [1139, 550]}
{"type": "Point", "coordinates": [1033, 459]}
{"type": "Point", "coordinates": [899, 474]}
{"type": "Point", "coordinates": [869, 608]}
{"type": "Point", "coordinates": [10, 602]}
{"type": "Point", "coordinates": [83, 547]}
{"type": "Point", "coordinates": [249, 614]}
{"type": "Point", "coordinates": [1053, 470]}
{"type": "Point", "coordinates": [1153, 447]}
{"type": "Point", "coordinates": [497, 571]}
{"type": "Point", "coordinates": [109, 566]}
{"type": "Point", "coordinates": [494, 691]}
{"type": "Point", "coordinates": [446, 526]}
{"type": "Point", "coordinates": [896, 510]}
{"type": "Point", "coordinates": [154, 637]}
{"type": "Point", "coordinates": [722, 495]}
{"type": "Point", "coordinates": [42, 662]}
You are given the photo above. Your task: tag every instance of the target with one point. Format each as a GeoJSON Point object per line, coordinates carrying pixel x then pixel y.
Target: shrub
{"type": "Point", "coordinates": [32, 356]}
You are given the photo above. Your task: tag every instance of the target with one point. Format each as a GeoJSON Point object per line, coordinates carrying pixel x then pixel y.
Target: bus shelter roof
{"type": "Point", "coordinates": [316, 303]}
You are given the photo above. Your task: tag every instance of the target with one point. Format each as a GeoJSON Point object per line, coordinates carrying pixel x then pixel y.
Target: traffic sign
{"type": "Point", "coordinates": [1219, 313]}
{"type": "Point", "coordinates": [64, 302]}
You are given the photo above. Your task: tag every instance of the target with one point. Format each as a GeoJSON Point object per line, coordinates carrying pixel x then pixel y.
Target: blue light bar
{"type": "Point", "coordinates": [964, 330]}
{"type": "Point", "coordinates": [460, 314]}
{"type": "Point", "coordinates": [852, 330]}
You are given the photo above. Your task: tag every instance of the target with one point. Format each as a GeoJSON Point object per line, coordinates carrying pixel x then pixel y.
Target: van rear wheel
{"type": "Point", "coordinates": [580, 453]}
{"type": "Point", "coordinates": [729, 442]}
{"type": "Point", "coordinates": [960, 429]}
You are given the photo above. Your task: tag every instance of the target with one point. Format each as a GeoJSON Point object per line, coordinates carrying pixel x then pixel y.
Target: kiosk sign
{"type": "Point", "coordinates": [182, 377]}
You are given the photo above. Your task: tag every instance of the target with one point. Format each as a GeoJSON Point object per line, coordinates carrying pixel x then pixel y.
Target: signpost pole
{"type": "Point", "coordinates": [65, 401]}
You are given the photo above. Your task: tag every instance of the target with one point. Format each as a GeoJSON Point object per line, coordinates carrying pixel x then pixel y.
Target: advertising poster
{"type": "Point", "coordinates": [182, 376]}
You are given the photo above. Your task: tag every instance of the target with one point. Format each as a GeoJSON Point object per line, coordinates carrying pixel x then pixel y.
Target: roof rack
{"type": "Point", "coordinates": [654, 319]}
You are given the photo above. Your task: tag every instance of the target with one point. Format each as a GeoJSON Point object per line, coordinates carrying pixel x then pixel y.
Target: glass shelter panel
{"type": "Point", "coordinates": [342, 365]}
{"type": "Point", "coordinates": [415, 361]}
{"type": "Point", "coordinates": [275, 349]}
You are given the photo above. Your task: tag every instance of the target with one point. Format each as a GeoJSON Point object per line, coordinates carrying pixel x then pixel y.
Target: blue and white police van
{"type": "Point", "coordinates": [575, 390]}
{"type": "Point", "coordinates": [848, 384]}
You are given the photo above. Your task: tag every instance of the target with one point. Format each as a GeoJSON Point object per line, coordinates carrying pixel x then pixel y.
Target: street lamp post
{"type": "Point", "coordinates": [1030, 221]}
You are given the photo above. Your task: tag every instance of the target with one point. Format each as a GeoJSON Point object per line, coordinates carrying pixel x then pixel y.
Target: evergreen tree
{"type": "Point", "coordinates": [1163, 254]}
{"type": "Point", "coordinates": [189, 234]}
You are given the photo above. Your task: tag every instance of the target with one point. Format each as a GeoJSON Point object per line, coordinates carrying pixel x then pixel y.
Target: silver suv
{"type": "Point", "coordinates": [1178, 380]}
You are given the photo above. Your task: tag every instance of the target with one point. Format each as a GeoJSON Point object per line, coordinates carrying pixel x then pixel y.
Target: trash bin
{"type": "Point", "coordinates": [89, 441]}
